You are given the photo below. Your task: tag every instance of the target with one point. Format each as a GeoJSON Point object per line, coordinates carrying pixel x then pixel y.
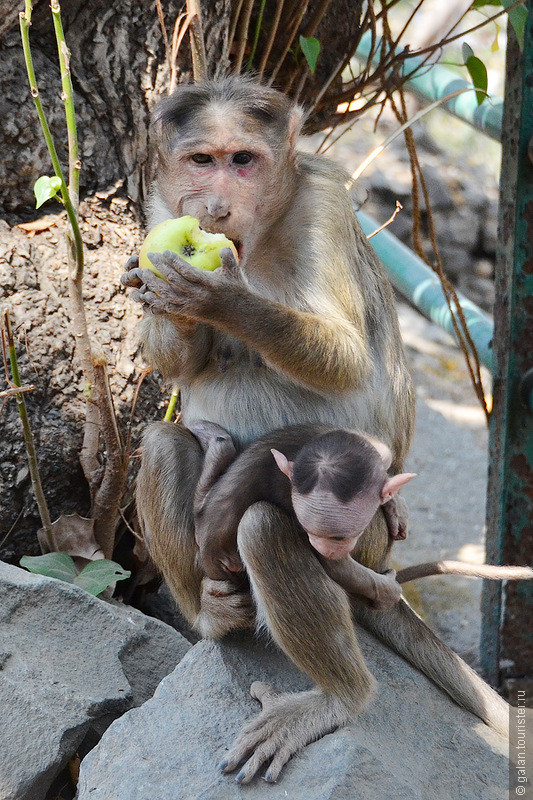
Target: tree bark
{"type": "Point", "coordinates": [119, 70]}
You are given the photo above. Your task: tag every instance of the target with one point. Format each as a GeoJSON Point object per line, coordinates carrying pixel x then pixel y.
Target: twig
{"type": "Point", "coordinates": [258, 25]}
{"type": "Point", "coordinates": [233, 28]}
{"type": "Point", "coordinates": [290, 41]}
{"type": "Point", "coordinates": [164, 33]}
{"type": "Point", "coordinates": [109, 492]}
{"type": "Point", "coordinates": [7, 393]}
{"type": "Point", "coordinates": [196, 30]}
{"type": "Point", "coordinates": [422, 113]}
{"type": "Point", "coordinates": [177, 36]}
{"type": "Point", "coordinates": [243, 35]}
{"type": "Point", "coordinates": [391, 219]}
{"type": "Point", "coordinates": [140, 381]}
{"type": "Point", "coordinates": [271, 37]}
{"type": "Point", "coordinates": [8, 343]}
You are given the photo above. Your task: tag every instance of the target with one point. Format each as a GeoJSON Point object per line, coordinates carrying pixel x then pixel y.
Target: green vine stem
{"type": "Point", "coordinates": [25, 23]}
{"type": "Point", "coordinates": [28, 436]}
{"type": "Point", "coordinates": [172, 404]}
{"type": "Point", "coordinates": [106, 483]}
{"type": "Point", "coordinates": [68, 99]}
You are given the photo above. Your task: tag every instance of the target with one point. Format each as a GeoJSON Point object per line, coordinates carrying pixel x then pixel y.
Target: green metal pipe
{"type": "Point", "coordinates": [433, 81]}
{"type": "Point", "coordinates": [421, 286]}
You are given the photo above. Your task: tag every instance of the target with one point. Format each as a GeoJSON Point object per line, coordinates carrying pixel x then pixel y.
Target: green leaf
{"type": "Point", "coordinates": [478, 73]}
{"type": "Point", "coordinates": [45, 188]}
{"type": "Point", "coordinates": [467, 52]}
{"type": "Point", "coordinates": [310, 48]}
{"type": "Point", "coordinates": [481, 3]}
{"type": "Point", "coordinates": [98, 575]}
{"type": "Point", "coordinates": [53, 565]}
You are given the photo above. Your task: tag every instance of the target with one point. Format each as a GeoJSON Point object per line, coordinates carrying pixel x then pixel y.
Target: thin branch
{"type": "Point", "coordinates": [233, 28]}
{"type": "Point", "coordinates": [422, 113]}
{"type": "Point", "coordinates": [243, 35]}
{"type": "Point", "coordinates": [271, 37]}
{"type": "Point", "coordinates": [388, 222]}
{"type": "Point", "coordinates": [258, 26]}
{"type": "Point", "coordinates": [8, 344]}
{"type": "Point", "coordinates": [196, 30]}
{"type": "Point", "coordinates": [142, 376]}
{"type": "Point", "coordinates": [299, 17]}
{"type": "Point", "coordinates": [177, 37]}
{"type": "Point", "coordinates": [164, 33]}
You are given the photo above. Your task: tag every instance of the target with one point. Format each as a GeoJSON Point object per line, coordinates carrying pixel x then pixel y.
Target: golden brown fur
{"type": "Point", "coordinates": [308, 333]}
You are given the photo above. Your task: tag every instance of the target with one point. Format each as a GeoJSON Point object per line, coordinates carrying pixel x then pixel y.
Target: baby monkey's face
{"type": "Point", "coordinates": [334, 527]}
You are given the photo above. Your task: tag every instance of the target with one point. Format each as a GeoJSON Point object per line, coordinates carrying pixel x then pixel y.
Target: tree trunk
{"type": "Point", "coordinates": [119, 69]}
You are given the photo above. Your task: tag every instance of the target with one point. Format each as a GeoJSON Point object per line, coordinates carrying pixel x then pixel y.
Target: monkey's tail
{"type": "Point", "coordinates": [405, 633]}
{"type": "Point", "coordinates": [463, 568]}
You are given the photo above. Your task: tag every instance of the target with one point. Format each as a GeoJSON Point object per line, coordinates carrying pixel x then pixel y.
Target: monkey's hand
{"type": "Point", "coordinates": [185, 290]}
{"type": "Point", "coordinates": [223, 608]}
{"type": "Point", "coordinates": [132, 277]}
{"type": "Point", "coordinates": [397, 517]}
{"type": "Point", "coordinates": [286, 724]}
{"type": "Point", "coordinates": [386, 590]}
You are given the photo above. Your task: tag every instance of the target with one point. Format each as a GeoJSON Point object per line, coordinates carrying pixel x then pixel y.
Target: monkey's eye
{"type": "Point", "coordinates": [202, 158]}
{"type": "Point", "coordinates": [242, 158]}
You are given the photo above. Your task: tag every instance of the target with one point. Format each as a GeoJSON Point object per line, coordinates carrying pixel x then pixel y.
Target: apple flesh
{"type": "Point", "coordinates": [185, 237]}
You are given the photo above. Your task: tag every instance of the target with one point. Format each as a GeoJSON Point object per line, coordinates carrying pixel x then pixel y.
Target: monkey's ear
{"type": "Point", "coordinates": [394, 484]}
{"type": "Point", "coordinates": [283, 463]}
{"type": "Point", "coordinates": [296, 121]}
{"type": "Point", "coordinates": [383, 449]}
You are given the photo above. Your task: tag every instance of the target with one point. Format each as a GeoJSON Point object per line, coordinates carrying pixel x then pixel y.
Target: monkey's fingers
{"type": "Point", "coordinates": [132, 277]}
{"type": "Point", "coordinates": [230, 266]}
{"type": "Point", "coordinates": [169, 263]}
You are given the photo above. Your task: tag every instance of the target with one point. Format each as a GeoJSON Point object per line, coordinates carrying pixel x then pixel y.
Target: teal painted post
{"type": "Point", "coordinates": [507, 628]}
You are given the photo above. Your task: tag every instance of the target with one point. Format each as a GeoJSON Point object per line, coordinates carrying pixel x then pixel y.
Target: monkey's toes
{"type": "Point", "coordinates": [264, 693]}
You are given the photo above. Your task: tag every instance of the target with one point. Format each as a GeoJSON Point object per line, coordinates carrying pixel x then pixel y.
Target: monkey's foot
{"type": "Point", "coordinates": [396, 514]}
{"type": "Point", "coordinates": [286, 724]}
{"type": "Point", "coordinates": [223, 608]}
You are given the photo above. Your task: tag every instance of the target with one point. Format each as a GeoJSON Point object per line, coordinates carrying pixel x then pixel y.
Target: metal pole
{"type": "Point", "coordinates": [422, 287]}
{"type": "Point", "coordinates": [507, 629]}
{"type": "Point", "coordinates": [433, 81]}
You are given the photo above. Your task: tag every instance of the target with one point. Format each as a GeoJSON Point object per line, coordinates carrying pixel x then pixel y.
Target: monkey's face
{"type": "Point", "coordinates": [223, 175]}
{"type": "Point", "coordinates": [334, 527]}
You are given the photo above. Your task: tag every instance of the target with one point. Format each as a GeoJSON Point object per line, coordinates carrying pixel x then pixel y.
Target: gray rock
{"type": "Point", "coordinates": [70, 664]}
{"type": "Point", "coordinates": [413, 743]}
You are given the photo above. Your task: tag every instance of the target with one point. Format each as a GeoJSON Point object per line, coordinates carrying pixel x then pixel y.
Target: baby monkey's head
{"type": "Point", "coordinates": [338, 481]}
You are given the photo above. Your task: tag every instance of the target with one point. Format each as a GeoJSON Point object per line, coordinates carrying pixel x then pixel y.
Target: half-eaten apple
{"type": "Point", "coordinates": [185, 237]}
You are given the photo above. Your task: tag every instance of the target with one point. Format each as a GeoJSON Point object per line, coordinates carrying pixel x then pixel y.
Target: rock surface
{"type": "Point", "coordinates": [70, 664]}
{"type": "Point", "coordinates": [413, 743]}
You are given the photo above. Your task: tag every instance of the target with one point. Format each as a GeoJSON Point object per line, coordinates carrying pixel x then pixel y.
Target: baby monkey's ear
{"type": "Point", "coordinates": [283, 463]}
{"type": "Point", "coordinates": [393, 485]}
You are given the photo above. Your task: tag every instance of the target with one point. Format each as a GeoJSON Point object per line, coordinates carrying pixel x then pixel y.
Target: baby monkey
{"type": "Point", "coordinates": [333, 481]}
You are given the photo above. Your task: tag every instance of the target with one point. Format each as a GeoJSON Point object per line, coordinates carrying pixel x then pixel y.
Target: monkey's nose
{"type": "Point", "coordinates": [217, 210]}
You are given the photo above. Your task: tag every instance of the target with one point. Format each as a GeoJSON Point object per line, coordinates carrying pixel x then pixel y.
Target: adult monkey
{"type": "Point", "coordinates": [308, 333]}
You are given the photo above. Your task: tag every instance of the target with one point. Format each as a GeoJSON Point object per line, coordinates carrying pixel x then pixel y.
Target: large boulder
{"type": "Point", "coordinates": [70, 664]}
{"type": "Point", "coordinates": [412, 743]}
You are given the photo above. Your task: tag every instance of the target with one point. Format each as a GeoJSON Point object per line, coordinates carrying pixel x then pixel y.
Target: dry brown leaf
{"type": "Point", "coordinates": [38, 225]}
{"type": "Point", "coordinates": [73, 535]}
